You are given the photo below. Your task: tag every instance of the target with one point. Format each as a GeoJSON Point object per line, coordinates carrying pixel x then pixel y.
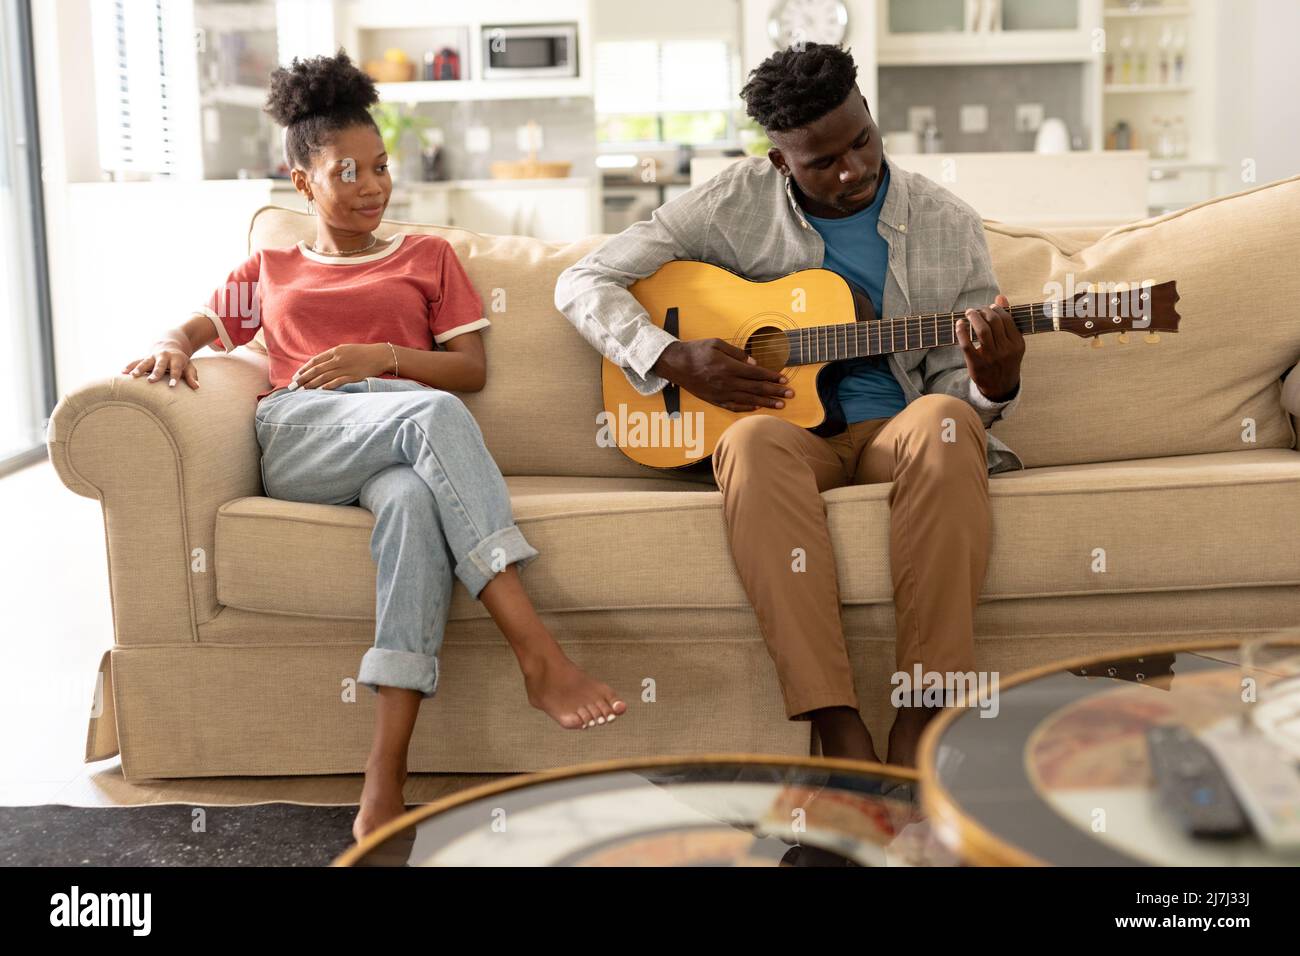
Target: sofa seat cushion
{"type": "Point", "coordinates": [289, 557]}
{"type": "Point", "coordinates": [1160, 524]}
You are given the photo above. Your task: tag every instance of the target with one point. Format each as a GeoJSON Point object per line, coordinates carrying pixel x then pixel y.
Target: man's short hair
{"type": "Point", "coordinates": [793, 88]}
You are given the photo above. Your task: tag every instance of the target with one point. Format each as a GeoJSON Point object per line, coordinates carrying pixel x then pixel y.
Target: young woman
{"type": "Point", "coordinates": [367, 339]}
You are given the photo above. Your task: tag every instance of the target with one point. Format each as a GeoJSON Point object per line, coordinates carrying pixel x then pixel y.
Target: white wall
{"type": "Point", "coordinates": [1274, 139]}
{"type": "Point", "coordinates": [137, 261]}
{"type": "Point", "coordinates": [666, 20]}
{"type": "Point", "coordinates": [65, 86]}
{"type": "Point", "coordinates": [1257, 112]}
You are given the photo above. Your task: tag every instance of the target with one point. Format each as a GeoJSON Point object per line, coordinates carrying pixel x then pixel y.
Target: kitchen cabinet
{"type": "Point", "coordinates": [1043, 190]}
{"type": "Point", "coordinates": [1160, 82]}
{"type": "Point", "coordinates": [372, 27]}
{"type": "Point", "coordinates": [926, 32]}
{"type": "Point", "coordinates": [1175, 185]}
{"type": "Point", "coordinates": [556, 211]}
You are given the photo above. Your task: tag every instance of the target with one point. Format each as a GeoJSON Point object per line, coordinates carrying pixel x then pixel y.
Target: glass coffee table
{"type": "Point", "coordinates": [711, 810]}
{"type": "Point", "coordinates": [1059, 773]}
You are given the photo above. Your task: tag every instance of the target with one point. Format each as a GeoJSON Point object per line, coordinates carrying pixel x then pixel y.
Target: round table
{"type": "Point", "coordinates": [1058, 774]}
{"type": "Point", "coordinates": [709, 810]}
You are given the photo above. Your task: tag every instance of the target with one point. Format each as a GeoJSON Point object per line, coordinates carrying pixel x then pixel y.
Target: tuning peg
{"type": "Point", "coordinates": [1097, 342]}
{"type": "Point", "coordinates": [1123, 337]}
{"type": "Point", "coordinates": [1151, 337]}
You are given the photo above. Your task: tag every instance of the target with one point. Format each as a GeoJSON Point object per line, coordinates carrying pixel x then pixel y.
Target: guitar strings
{"type": "Point", "coordinates": [828, 335]}
{"type": "Point", "coordinates": [1016, 311]}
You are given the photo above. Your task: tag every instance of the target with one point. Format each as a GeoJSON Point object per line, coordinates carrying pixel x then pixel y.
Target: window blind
{"type": "Point", "coordinates": [136, 82]}
{"type": "Point", "coordinates": [644, 76]}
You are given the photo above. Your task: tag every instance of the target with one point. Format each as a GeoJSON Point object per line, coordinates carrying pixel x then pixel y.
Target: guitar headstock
{"type": "Point", "coordinates": [1144, 308]}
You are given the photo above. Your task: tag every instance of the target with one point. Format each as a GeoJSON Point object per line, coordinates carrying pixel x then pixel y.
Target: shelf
{"type": "Point", "coordinates": [1184, 164]}
{"type": "Point", "coordinates": [996, 47]}
{"type": "Point", "coordinates": [442, 91]}
{"type": "Point", "coordinates": [1171, 11]}
{"type": "Point", "coordinates": [235, 17]}
{"type": "Point", "coordinates": [253, 97]}
{"type": "Point", "coordinates": [1148, 88]}
{"type": "Point", "coordinates": [980, 57]}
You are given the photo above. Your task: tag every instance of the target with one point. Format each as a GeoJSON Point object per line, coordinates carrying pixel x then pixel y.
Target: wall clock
{"type": "Point", "coordinates": [808, 21]}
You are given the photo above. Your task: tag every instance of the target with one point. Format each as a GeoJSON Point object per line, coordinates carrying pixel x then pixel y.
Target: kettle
{"type": "Point", "coordinates": [1053, 136]}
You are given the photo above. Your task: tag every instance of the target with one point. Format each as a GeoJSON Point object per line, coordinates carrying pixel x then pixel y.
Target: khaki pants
{"type": "Point", "coordinates": [771, 474]}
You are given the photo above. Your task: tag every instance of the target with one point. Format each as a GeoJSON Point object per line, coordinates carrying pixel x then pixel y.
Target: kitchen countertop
{"type": "Point", "coordinates": [570, 182]}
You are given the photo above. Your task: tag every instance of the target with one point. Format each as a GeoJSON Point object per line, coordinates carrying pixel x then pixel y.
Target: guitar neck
{"type": "Point", "coordinates": [830, 343]}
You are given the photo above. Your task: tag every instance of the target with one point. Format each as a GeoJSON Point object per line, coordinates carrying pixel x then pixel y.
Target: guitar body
{"type": "Point", "coordinates": [800, 323]}
{"type": "Point", "coordinates": [697, 300]}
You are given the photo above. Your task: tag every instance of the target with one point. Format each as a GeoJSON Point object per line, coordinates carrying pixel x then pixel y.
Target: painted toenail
{"type": "Point", "coordinates": [600, 720]}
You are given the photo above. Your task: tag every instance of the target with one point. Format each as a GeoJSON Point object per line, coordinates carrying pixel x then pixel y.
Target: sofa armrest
{"type": "Point", "coordinates": [162, 460]}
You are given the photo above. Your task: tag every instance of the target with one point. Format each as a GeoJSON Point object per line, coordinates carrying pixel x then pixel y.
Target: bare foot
{"type": "Point", "coordinates": [905, 735]}
{"type": "Point", "coordinates": [843, 734]}
{"type": "Point", "coordinates": [562, 690]}
{"type": "Point", "coordinates": [381, 799]}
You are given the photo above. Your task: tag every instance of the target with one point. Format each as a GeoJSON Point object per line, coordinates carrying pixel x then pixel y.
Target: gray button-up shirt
{"type": "Point", "coordinates": [746, 219]}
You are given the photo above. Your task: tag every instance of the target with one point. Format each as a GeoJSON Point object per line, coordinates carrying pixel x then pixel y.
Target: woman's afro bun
{"type": "Point", "coordinates": [321, 84]}
{"type": "Point", "coordinates": [315, 98]}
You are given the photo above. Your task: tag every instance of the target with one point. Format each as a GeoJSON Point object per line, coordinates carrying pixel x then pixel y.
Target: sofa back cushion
{"type": "Point", "coordinates": [1209, 388]}
{"type": "Point", "coordinates": [1234, 259]}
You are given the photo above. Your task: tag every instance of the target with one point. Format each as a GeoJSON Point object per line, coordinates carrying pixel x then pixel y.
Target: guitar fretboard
{"type": "Point", "coordinates": [830, 343]}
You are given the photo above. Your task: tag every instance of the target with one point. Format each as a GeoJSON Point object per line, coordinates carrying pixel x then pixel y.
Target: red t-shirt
{"type": "Point", "coordinates": [413, 293]}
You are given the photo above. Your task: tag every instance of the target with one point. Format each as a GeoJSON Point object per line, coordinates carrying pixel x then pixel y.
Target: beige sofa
{"type": "Point", "coordinates": [240, 620]}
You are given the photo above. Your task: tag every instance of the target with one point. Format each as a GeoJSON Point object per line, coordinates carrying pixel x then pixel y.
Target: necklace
{"type": "Point", "coordinates": [349, 252]}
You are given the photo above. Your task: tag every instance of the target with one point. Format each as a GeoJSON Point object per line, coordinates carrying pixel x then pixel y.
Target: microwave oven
{"type": "Point", "coordinates": [518, 51]}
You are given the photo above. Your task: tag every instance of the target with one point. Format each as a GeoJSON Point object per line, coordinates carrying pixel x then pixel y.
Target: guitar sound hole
{"type": "Point", "coordinates": [769, 347]}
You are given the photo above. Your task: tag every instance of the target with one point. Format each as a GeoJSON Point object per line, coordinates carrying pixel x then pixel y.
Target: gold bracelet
{"type": "Point", "coordinates": [390, 345]}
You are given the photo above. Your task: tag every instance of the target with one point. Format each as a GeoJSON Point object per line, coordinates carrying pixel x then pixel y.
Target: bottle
{"type": "Point", "coordinates": [1161, 140]}
{"type": "Point", "coordinates": [1166, 40]}
{"type": "Point", "coordinates": [1142, 62]}
{"type": "Point", "coordinates": [1122, 138]}
{"type": "Point", "coordinates": [1178, 137]}
{"type": "Point", "coordinates": [931, 139]}
{"type": "Point", "coordinates": [1126, 58]}
{"type": "Point", "coordinates": [427, 73]}
{"type": "Point", "coordinates": [1110, 68]}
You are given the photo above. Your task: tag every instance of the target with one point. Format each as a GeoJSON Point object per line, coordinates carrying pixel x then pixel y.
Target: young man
{"type": "Point", "coordinates": [826, 197]}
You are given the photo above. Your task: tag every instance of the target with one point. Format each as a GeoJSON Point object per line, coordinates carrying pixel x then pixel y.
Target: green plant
{"type": "Point", "coordinates": [754, 139]}
{"type": "Point", "coordinates": [394, 123]}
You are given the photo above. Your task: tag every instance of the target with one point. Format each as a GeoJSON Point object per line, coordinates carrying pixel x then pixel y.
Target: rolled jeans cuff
{"type": "Point", "coordinates": [381, 667]}
{"type": "Point", "coordinates": [491, 556]}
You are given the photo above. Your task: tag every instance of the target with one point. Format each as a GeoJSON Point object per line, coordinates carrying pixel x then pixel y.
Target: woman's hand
{"type": "Point", "coordinates": [169, 360]}
{"type": "Point", "coordinates": [343, 364]}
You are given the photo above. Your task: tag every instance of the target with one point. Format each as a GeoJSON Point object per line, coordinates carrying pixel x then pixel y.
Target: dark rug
{"type": "Point", "coordinates": [265, 834]}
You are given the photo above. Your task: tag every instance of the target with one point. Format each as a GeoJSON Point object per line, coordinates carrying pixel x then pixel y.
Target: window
{"type": "Point", "coordinates": [26, 349]}
{"type": "Point", "coordinates": [681, 91]}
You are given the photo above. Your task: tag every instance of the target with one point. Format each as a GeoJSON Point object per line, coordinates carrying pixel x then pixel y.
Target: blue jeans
{"type": "Point", "coordinates": [414, 456]}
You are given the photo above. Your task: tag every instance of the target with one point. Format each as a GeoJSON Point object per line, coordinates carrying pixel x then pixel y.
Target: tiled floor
{"type": "Point", "coordinates": [55, 623]}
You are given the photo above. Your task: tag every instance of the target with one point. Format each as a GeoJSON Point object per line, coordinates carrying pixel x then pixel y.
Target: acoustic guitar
{"type": "Point", "coordinates": [800, 323]}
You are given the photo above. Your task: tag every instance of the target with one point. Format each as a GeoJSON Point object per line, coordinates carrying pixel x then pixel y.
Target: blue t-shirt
{"type": "Point", "coordinates": [856, 250]}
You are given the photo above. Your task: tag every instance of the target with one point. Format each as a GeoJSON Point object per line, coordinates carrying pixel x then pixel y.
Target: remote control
{"type": "Point", "coordinates": [1264, 778]}
{"type": "Point", "coordinates": [1191, 784]}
